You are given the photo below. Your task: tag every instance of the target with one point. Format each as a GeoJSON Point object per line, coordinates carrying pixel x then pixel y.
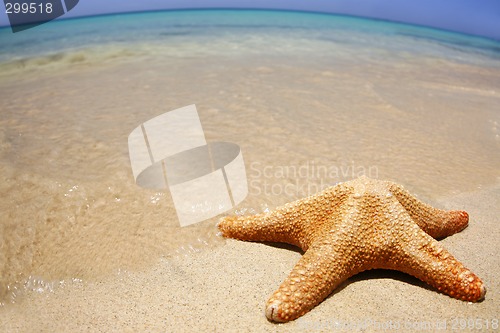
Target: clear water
{"type": "Point", "coordinates": [332, 96]}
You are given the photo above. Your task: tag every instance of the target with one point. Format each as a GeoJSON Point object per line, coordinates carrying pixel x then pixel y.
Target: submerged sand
{"type": "Point", "coordinates": [85, 249]}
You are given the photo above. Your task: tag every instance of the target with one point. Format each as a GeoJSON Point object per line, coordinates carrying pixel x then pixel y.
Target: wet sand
{"type": "Point", "coordinates": [85, 249]}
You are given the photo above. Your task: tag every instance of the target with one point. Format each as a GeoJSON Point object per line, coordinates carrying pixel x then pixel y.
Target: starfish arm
{"type": "Point", "coordinates": [426, 259]}
{"type": "Point", "coordinates": [436, 222]}
{"type": "Point", "coordinates": [270, 227]}
{"type": "Point", "coordinates": [313, 278]}
{"type": "Point", "coordinates": [292, 223]}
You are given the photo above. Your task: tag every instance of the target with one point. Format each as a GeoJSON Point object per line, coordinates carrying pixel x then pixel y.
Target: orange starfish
{"type": "Point", "coordinates": [355, 226]}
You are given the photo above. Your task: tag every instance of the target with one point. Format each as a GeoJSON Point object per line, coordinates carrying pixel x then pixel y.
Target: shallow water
{"type": "Point", "coordinates": [311, 100]}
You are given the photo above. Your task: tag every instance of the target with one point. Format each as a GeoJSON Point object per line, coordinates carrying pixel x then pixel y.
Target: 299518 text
{"type": "Point", "coordinates": [28, 8]}
{"type": "Point", "coordinates": [459, 324]}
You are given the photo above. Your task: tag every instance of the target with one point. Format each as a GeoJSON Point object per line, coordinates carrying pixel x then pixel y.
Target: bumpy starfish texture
{"type": "Point", "coordinates": [352, 227]}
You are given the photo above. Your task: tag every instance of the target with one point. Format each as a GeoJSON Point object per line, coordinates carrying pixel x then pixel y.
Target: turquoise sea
{"type": "Point", "coordinates": [72, 35]}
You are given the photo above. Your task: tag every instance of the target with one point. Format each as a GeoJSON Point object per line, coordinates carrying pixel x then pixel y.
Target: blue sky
{"type": "Point", "coordinates": [478, 17]}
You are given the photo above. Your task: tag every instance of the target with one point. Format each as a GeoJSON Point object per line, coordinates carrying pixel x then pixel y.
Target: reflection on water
{"type": "Point", "coordinates": [344, 95]}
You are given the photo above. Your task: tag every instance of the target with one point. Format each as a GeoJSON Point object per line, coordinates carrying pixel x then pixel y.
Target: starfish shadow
{"type": "Point", "coordinates": [379, 274]}
{"type": "Point", "coordinates": [285, 246]}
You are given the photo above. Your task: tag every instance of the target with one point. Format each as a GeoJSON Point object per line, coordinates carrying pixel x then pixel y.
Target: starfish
{"type": "Point", "coordinates": [352, 227]}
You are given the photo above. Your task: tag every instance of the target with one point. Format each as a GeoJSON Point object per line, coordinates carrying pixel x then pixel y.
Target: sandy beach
{"type": "Point", "coordinates": [83, 248]}
{"type": "Point", "coordinates": [224, 288]}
